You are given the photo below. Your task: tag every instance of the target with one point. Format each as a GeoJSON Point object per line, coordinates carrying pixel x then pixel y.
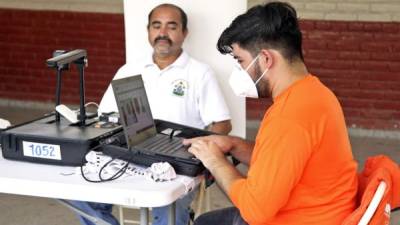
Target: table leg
{"type": "Point", "coordinates": [144, 216]}
{"type": "Point", "coordinates": [94, 220]}
{"type": "Point", "coordinates": [171, 214]}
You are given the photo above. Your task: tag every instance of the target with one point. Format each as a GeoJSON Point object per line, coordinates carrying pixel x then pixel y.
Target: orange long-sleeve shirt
{"type": "Point", "coordinates": [302, 169]}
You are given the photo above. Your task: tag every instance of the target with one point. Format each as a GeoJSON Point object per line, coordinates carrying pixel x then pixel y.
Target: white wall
{"type": "Point", "coordinates": [207, 19]}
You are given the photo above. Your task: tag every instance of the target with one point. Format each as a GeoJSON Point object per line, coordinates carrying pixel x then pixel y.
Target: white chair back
{"type": "Point", "coordinates": [373, 205]}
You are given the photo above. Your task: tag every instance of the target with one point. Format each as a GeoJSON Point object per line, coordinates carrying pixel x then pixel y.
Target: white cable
{"type": "Point", "coordinates": [157, 172]}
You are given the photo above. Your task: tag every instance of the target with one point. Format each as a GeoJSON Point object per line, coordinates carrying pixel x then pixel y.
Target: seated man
{"type": "Point", "coordinates": [301, 168]}
{"type": "Point", "coordinates": [180, 89]}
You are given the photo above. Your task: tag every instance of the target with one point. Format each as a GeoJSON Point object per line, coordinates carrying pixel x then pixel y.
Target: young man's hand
{"type": "Point", "coordinates": [208, 153]}
{"type": "Point", "coordinates": [224, 143]}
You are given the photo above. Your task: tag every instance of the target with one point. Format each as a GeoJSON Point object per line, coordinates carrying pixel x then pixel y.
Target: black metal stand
{"type": "Point", "coordinates": [82, 112]}
{"type": "Point", "coordinates": [58, 92]}
{"type": "Point", "coordinates": [61, 62]}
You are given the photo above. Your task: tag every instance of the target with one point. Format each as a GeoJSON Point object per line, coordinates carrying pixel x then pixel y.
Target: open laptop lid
{"type": "Point", "coordinates": [134, 109]}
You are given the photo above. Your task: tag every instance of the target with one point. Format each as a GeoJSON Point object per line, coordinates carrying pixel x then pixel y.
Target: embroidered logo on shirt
{"type": "Point", "coordinates": [179, 87]}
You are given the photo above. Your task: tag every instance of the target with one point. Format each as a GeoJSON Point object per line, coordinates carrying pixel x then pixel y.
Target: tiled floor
{"type": "Point", "coordinates": [17, 210]}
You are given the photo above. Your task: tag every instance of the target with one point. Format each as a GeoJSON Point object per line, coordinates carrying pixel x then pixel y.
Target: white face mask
{"type": "Point", "coordinates": [241, 82]}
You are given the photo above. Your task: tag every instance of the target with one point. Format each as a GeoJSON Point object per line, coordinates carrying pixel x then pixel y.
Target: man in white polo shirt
{"type": "Point", "coordinates": [180, 89]}
{"type": "Point", "coordinates": [184, 92]}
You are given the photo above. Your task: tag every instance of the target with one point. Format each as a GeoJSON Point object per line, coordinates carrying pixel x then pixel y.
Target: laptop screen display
{"type": "Point", "coordinates": [134, 109]}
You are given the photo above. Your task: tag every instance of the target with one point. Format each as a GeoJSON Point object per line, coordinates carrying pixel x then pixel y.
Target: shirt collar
{"type": "Point", "coordinates": [181, 61]}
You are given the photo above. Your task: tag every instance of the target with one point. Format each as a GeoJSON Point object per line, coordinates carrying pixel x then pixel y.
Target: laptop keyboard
{"type": "Point", "coordinates": [162, 144]}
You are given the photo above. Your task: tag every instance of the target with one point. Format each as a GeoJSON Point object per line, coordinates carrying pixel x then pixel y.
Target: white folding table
{"type": "Point", "coordinates": [60, 182]}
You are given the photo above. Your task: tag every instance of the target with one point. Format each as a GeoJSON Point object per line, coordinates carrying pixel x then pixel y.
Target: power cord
{"type": "Point", "coordinates": [116, 175]}
{"type": "Point", "coordinates": [121, 171]}
{"type": "Point", "coordinates": [115, 168]}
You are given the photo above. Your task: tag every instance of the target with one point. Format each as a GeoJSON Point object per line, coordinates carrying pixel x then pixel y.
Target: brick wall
{"type": "Point", "coordinates": [345, 10]}
{"type": "Point", "coordinates": [360, 62]}
{"type": "Point", "coordinates": [28, 38]}
{"type": "Point", "coordinates": [352, 46]}
{"type": "Point", "coordinates": [102, 6]}
{"type": "Point", "coordinates": [356, 54]}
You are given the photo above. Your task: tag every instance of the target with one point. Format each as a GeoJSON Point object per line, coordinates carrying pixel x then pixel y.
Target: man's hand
{"type": "Point", "coordinates": [213, 158]}
{"type": "Point", "coordinates": [237, 147]}
{"type": "Point", "coordinates": [208, 153]}
{"type": "Point", "coordinates": [224, 143]}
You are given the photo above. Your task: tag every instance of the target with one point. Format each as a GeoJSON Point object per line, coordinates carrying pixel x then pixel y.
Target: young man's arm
{"type": "Point", "coordinates": [213, 158]}
{"type": "Point", "coordinates": [242, 150]}
{"type": "Point", "coordinates": [282, 152]}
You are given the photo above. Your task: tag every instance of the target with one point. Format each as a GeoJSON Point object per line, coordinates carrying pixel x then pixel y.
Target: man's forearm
{"type": "Point", "coordinates": [222, 127]}
{"type": "Point", "coordinates": [242, 149]}
{"type": "Point", "coordinates": [225, 174]}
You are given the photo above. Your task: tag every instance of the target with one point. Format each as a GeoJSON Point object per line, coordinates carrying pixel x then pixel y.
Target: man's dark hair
{"type": "Point", "coordinates": [184, 19]}
{"type": "Point", "coordinates": [273, 25]}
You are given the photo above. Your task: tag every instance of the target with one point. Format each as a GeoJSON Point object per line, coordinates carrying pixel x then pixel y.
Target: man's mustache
{"type": "Point", "coordinates": [163, 38]}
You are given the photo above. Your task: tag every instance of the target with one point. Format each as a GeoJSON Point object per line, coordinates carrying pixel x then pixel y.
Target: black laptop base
{"type": "Point", "coordinates": [188, 167]}
{"type": "Point", "coordinates": [181, 166]}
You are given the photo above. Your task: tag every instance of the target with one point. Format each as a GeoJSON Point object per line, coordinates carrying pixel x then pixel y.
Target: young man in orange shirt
{"type": "Point", "coordinates": [301, 168]}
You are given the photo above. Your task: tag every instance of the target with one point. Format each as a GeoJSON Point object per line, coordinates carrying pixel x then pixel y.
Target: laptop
{"type": "Point", "coordinates": [143, 141]}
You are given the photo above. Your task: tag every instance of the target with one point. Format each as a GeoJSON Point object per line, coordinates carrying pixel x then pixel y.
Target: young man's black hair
{"type": "Point", "coordinates": [273, 25]}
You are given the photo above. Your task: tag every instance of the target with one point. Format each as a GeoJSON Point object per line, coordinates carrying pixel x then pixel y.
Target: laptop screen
{"type": "Point", "coordinates": [134, 109]}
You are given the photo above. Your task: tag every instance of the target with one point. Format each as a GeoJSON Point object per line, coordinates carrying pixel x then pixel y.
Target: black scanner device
{"type": "Point", "coordinates": [52, 139]}
{"type": "Point", "coordinates": [46, 141]}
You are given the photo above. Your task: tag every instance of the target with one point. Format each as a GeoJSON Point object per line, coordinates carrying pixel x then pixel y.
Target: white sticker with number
{"type": "Point", "coordinates": [40, 150]}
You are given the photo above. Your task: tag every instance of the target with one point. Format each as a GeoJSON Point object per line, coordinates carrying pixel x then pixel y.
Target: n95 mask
{"type": "Point", "coordinates": [241, 82]}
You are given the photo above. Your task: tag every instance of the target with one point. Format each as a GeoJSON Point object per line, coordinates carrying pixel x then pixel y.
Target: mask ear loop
{"type": "Point", "coordinates": [265, 71]}
{"type": "Point", "coordinates": [254, 60]}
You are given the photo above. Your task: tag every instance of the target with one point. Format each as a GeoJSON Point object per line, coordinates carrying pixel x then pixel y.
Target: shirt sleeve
{"type": "Point", "coordinates": [108, 103]}
{"type": "Point", "coordinates": [280, 154]}
{"type": "Point", "coordinates": [212, 105]}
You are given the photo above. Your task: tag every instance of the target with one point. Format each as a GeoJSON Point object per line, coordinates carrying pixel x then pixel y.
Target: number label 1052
{"type": "Point", "coordinates": [40, 150]}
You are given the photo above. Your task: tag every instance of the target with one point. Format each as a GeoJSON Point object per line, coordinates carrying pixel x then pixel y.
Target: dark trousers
{"type": "Point", "coordinates": [226, 216]}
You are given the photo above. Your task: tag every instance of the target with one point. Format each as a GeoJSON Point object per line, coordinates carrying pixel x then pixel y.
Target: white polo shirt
{"type": "Point", "coordinates": [185, 92]}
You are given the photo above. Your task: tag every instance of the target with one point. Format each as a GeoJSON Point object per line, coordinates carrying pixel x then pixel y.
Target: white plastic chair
{"type": "Point", "coordinates": [373, 205]}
